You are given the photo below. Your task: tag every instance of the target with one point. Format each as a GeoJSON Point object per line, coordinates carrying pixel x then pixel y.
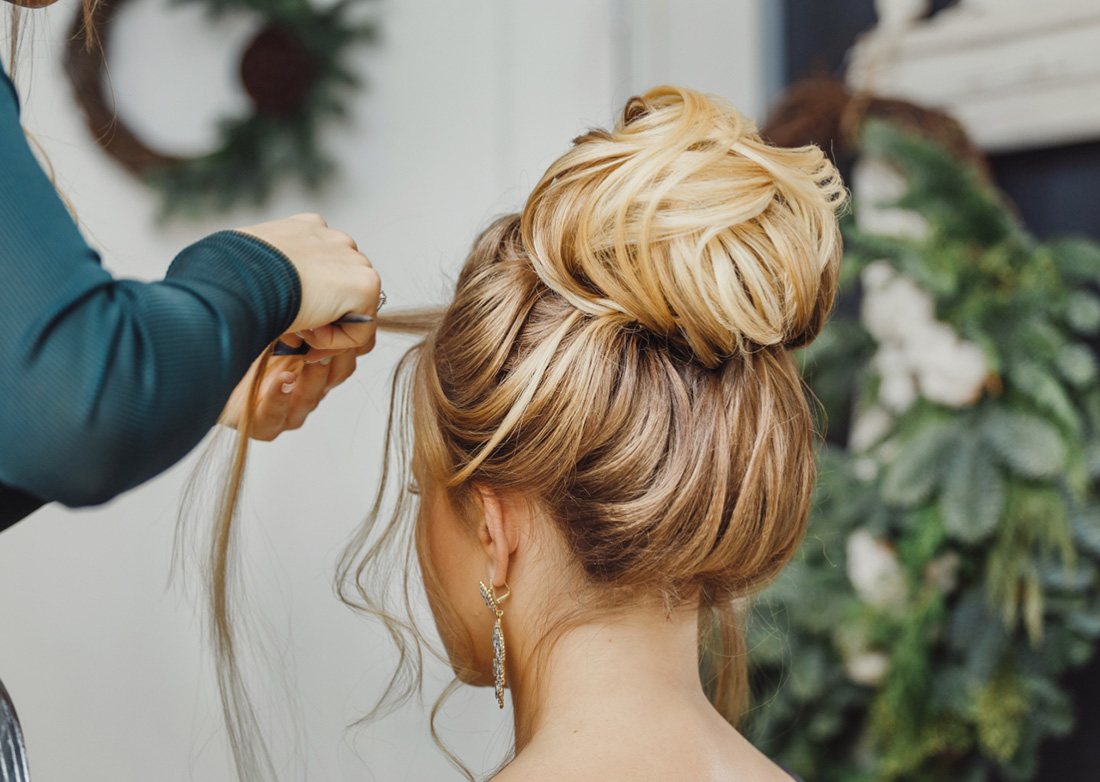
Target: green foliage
{"type": "Point", "coordinates": [1026, 444]}
{"type": "Point", "coordinates": [919, 466]}
{"type": "Point", "coordinates": [999, 710]}
{"type": "Point", "coordinates": [973, 492]}
{"type": "Point", "coordinates": [990, 510]}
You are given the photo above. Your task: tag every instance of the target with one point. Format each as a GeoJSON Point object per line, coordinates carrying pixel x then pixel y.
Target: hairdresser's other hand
{"type": "Point", "coordinates": [336, 279]}
{"type": "Point", "coordinates": [290, 390]}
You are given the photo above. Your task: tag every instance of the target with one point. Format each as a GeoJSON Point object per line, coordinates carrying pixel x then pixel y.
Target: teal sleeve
{"type": "Point", "coordinates": [106, 382]}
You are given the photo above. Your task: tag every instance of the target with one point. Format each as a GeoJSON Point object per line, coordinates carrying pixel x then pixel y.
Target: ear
{"type": "Point", "coordinates": [499, 533]}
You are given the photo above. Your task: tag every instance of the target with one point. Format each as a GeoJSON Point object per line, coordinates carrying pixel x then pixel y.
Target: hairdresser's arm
{"type": "Point", "coordinates": [104, 382]}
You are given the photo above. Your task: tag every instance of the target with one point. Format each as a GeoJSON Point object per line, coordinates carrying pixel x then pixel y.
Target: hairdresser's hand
{"type": "Point", "coordinates": [336, 279]}
{"type": "Point", "coordinates": [291, 388]}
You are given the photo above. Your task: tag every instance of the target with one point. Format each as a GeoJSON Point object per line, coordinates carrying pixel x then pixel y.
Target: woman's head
{"type": "Point", "coordinates": [615, 372]}
{"type": "Point", "coordinates": [608, 410]}
{"type": "Point", "coordinates": [32, 3]}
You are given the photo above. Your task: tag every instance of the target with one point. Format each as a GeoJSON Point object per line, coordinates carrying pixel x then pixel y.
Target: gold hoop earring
{"type": "Point", "coordinates": [493, 601]}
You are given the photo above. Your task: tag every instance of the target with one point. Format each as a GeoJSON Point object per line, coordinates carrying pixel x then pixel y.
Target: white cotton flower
{"type": "Point", "coordinates": [890, 312]}
{"type": "Point", "coordinates": [949, 370]}
{"type": "Point", "coordinates": [874, 570]}
{"type": "Point", "coordinates": [868, 668]}
{"type": "Point", "coordinates": [959, 380]}
{"type": "Point", "coordinates": [917, 353]}
{"type": "Point", "coordinates": [877, 184]}
{"type": "Point", "coordinates": [866, 469]}
{"type": "Point", "coordinates": [876, 275]}
{"type": "Point", "coordinates": [901, 13]}
{"type": "Point", "coordinates": [869, 427]}
{"type": "Point", "coordinates": [926, 344]}
{"type": "Point", "coordinates": [898, 392]}
{"type": "Point", "coordinates": [875, 181]}
{"type": "Point", "coordinates": [891, 222]}
{"type": "Point", "coordinates": [897, 387]}
{"type": "Point", "coordinates": [862, 664]}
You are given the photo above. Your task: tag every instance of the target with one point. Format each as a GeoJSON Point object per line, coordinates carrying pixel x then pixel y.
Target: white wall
{"type": "Point", "coordinates": [466, 103]}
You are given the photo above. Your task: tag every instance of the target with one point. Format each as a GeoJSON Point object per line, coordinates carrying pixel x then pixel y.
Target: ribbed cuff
{"type": "Point", "coordinates": [250, 268]}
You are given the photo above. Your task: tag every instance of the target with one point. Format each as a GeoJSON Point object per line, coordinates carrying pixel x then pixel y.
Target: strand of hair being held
{"type": "Point", "coordinates": [217, 552]}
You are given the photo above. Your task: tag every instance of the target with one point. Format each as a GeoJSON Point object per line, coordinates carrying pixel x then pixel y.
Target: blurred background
{"type": "Point", "coordinates": [460, 108]}
{"type": "Point", "coordinates": [1024, 81]}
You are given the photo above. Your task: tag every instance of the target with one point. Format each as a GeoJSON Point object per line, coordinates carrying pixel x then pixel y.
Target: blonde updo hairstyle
{"type": "Point", "coordinates": [619, 354]}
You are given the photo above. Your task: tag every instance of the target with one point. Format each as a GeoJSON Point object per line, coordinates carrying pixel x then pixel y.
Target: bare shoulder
{"type": "Point", "coordinates": [533, 767]}
{"type": "Point", "coordinates": [627, 760]}
{"type": "Point", "coordinates": [521, 773]}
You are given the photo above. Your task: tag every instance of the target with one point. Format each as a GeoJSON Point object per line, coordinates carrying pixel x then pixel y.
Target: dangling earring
{"type": "Point", "coordinates": [493, 601]}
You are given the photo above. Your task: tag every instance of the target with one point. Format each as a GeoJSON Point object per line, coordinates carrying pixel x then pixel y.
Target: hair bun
{"type": "Point", "coordinates": [684, 220]}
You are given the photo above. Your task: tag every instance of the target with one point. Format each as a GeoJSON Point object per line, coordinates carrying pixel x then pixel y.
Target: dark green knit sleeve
{"type": "Point", "coordinates": [106, 382]}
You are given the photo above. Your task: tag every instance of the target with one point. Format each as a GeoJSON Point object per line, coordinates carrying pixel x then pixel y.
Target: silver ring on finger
{"type": "Point", "coordinates": [381, 300]}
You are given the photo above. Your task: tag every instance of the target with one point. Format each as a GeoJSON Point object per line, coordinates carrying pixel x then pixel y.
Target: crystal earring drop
{"type": "Point", "coordinates": [493, 601]}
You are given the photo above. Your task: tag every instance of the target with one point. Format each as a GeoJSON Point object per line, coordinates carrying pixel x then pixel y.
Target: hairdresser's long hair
{"type": "Point", "coordinates": [620, 355]}
{"type": "Point", "coordinates": [16, 17]}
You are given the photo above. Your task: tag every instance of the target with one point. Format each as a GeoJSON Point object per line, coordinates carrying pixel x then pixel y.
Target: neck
{"type": "Point", "coordinates": [607, 671]}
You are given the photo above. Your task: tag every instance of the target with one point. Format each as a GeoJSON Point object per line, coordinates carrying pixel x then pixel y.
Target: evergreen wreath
{"type": "Point", "coordinates": [292, 71]}
{"type": "Point", "coordinates": [951, 573]}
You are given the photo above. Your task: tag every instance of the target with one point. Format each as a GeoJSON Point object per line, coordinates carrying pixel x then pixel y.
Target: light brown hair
{"type": "Point", "coordinates": [88, 9]}
{"type": "Point", "coordinates": [620, 355]}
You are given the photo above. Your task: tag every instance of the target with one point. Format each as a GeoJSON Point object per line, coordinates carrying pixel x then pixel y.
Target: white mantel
{"type": "Point", "coordinates": [1016, 73]}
